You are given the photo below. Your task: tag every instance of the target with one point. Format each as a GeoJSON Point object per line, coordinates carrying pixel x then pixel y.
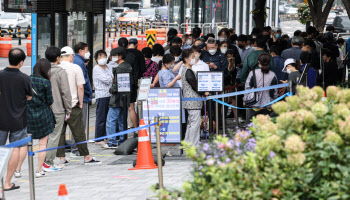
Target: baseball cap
{"type": "Point", "coordinates": [133, 41]}
{"type": "Point", "coordinates": [118, 50]}
{"type": "Point", "coordinates": [65, 51]}
{"type": "Point", "coordinates": [288, 62]}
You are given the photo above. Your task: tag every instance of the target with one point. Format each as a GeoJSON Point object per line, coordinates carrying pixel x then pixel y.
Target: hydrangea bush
{"type": "Point", "coordinates": [303, 153]}
{"type": "Point", "coordinates": [304, 14]}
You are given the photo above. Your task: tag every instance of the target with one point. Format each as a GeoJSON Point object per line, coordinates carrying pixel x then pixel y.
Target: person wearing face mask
{"type": "Point", "coordinates": [189, 87]}
{"type": "Point", "coordinates": [189, 42]}
{"type": "Point", "coordinates": [166, 77]}
{"type": "Point", "coordinates": [103, 79]}
{"type": "Point", "coordinates": [216, 60]}
{"type": "Point", "coordinates": [223, 46]}
{"type": "Point", "coordinates": [158, 53]}
{"type": "Point", "coordinates": [292, 68]}
{"type": "Point", "coordinates": [223, 34]}
{"type": "Point", "coordinates": [177, 41]}
{"type": "Point", "coordinates": [81, 54]}
{"type": "Point", "coordinates": [176, 52]}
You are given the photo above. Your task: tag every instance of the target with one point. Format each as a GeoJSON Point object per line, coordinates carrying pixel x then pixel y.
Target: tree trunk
{"type": "Point", "coordinates": [319, 16]}
{"type": "Point", "coordinates": [259, 16]}
{"type": "Point", "coordinates": [347, 6]}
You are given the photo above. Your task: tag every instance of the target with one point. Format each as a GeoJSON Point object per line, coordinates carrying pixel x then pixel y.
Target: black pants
{"type": "Point", "coordinates": [101, 117]}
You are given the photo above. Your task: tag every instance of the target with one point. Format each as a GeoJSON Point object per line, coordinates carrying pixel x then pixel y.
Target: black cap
{"type": "Point", "coordinates": [133, 41]}
{"type": "Point", "coordinates": [118, 50]}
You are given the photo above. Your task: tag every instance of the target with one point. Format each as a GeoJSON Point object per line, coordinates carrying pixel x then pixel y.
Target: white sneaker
{"type": "Point", "coordinates": [50, 168]}
{"type": "Point", "coordinates": [40, 174]}
{"type": "Point", "coordinates": [18, 174]}
{"type": "Point", "coordinates": [64, 163]}
{"type": "Point", "coordinates": [93, 161]}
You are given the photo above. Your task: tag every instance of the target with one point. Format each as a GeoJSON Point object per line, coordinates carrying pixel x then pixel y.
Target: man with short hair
{"type": "Point", "coordinates": [216, 60]}
{"type": "Point", "coordinates": [15, 90]}
{"type": "Point", "coordinates": [82, 54]}
{"type": "Point", "coordinates": [75, 122]}
{"type": "Point", "coordinates": [278, 61]}
{"type": "Point", "coordinates": [115, 113]}
{"type": "Point", "coordinates": [177, 41]}
{"type": "Point", "coordinates": [295, 51]}
{"type": "Point", "coordinates": [61, 107]}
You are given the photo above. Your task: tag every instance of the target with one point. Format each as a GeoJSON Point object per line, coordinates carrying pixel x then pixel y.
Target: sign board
{"type": "Point", "coordinates": [145, 86]}
{"type": "Point", "coordinates": [123, 81]}
{"type": "Point", "coordinates": [210, 81]}
{"type": "Point", "coordinates": [34, 39]}
{"type": "Point", "coordinates": [5, 154]}
{"type": "Point", "coordinates": [18, 6]}
{"type": "Point", "coordinates": [165, 103]}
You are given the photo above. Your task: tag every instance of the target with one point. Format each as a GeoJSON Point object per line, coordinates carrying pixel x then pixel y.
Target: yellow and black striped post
{"type": "Point", "coordinates": [109, 30]}
{"type": "Point", "coordinates": [120, 28]}
{"type": "Point", "coordinates": [142, 28]}
{"type": "Point", "coordinates": [151, 37]}
{"type": "Point", "coordinates": [19, 36]}
{"type": "Point", "coordinates": [10, 30]}
{"type": "Point", "coordinates": [0, 33]}
{"type": "Point", "coordinates": [115, 29]}
{"type": "Point", "coordinates": [137, 28]}
{"type": "Point", "coordinates": [29, 31]}
{"type": "Point", "coordinates": [131, 26]}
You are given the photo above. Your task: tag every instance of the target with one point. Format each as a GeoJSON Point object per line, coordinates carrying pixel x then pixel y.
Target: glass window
{"type": "Point", "coordinates": [163, 11]}
{"type": "Point", "coordinates": [117, 10]}
{"type": "Point", "coordinates": [174, 12]}
{"type": "Point", "coordinates": [8, 15]}
{"type": "Point", "coordinates": [43, 33]}
{"type": "Point", "coordinates": [129, 14]}
{"type": "Point", "coordinates": [77, 29]}
{"type": "Point", "coordinates": [58, 31]}
{"type": "Point", "coordinates": [147, 11]}
{"type": "Point", "coordinates": [98, 34]}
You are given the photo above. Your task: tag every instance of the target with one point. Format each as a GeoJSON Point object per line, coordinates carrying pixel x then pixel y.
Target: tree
{"type": "Point", "coordinates": [347, 6]}
{"type": "Point", "coordinates": [259, 14]}
{"type": "Point", "coordinates": [319, 13]}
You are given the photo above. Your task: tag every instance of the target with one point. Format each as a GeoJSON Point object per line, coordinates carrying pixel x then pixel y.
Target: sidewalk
{"type": "Point", "coordinates": [111, 180]}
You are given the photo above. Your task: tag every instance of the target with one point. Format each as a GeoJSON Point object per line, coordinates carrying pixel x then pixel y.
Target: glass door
{"type": "Point", "coordinates": [43, 32]}
{"type": "Point", "coordinates": [77, 28]}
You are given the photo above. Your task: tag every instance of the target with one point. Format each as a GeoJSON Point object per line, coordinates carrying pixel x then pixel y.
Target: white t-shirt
{"type": "Point", "coordinates": [75, 78]}
{"type": "Point", "coordinates": [199, 67]}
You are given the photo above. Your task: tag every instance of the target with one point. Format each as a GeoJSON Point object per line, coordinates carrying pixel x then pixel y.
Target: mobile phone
{"type": "Point", "coordinates": [65, 119]}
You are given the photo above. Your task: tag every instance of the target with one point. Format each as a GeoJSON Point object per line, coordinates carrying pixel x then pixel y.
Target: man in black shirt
{"type": "Point", "coordinates": [15, 90]}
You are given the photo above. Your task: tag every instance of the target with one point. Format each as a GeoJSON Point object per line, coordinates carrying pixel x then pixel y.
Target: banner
{"type": "Point", "coordinates": [165, 103]}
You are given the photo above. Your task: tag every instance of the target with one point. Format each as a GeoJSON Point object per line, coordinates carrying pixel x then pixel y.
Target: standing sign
{"type": "Point", "coordinates": [123, 81]}
{"type": "Point", "coordinates": [34, 39]}
{"type": "Point", "coordinates": [166, 103]}
{"type": "Point", "coordinates": [210, 81]}
{"type": "Point", "coordinates": [5, 154]}
{"type": "Point", "coordinates": [145, 85]}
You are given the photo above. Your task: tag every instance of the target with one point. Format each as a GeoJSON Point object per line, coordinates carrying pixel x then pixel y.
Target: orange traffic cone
{"type": "Point", "coordinates": [62, 192]}
{"type": "Point", "coordinates": [144, 152]}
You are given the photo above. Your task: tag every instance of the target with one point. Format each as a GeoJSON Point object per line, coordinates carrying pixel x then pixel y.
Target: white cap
{"type": "Point", "coordinates": [287, 62]}
{"type": "Point", "coordinates": [65, 51]}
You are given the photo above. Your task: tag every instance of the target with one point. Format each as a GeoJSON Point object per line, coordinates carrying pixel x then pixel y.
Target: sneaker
{"type": "Point", "coordinates": [110, 146]}
{"type": "Point", "coordinates": [64, 163]}
{"type": "Point", "coordinates": [40, 174]}
{"type": "Point", "coordinates": [17, 174]}
{"type": "Point", "coordinates": [93, 161]}
{"type": "Point", "coordinates": [49, 168]}
{"type": "Point", "coordinates": [74, 154]}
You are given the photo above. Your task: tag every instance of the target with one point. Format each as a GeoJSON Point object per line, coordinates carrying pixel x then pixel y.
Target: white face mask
{"type": "Point", "coordinates": [189, 42]}
{"type": "Point", "coordinates": [288, 71]}
{"type": "Point", "coordinates": [87, 55]}
{"type": "Point", "coordinates": [114, 58]}
{"type": "Point", "coordinates": [102, 61]}
{"type": "Point", "coordinates": [177, 58]}
{"type": "Point", "coordinates": [170, 66]}
{"type": "Point", "coordinates": [197, 56]}
{"type": "Point", "coordinates": [212, 52]}
{"type": "Point", "coordinates": [222, 39]}
{"type": "Point", "coordinates": [193, 61]}
{"type": "Point", "coordinates": [254, 48]}
{"type": "Point", "coordinates": [223, 50]}
{"type": "Point", "coordinates": [156, 59]}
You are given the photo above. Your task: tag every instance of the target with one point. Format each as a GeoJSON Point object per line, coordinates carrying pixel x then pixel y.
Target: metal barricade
{"type": "Point", "coordinates": [167, 26]}
{"type": "Point", "coordinates": [218, 26]}
{"type": "Point", "coordinates": [207, 28]}
{"type": "Point", "coordinates": [187, 27]}
{"type": "Point", "coordinates": [345, 36]}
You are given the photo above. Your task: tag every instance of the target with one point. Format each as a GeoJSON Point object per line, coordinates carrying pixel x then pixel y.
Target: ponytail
{"type": "Point", "coordinates": [264, 60]}
{"type": "Point", "coordinates": [160, 65]}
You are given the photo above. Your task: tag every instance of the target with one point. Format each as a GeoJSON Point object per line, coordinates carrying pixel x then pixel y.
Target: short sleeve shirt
{"type": "Point", "coordinates": [14, 87]}
{"type": "Point", "coordinates": [75, 78]}
{"type": "Point", "coordinates": [165, 77]}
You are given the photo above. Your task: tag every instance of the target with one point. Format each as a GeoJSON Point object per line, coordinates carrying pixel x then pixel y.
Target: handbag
{"type": "Point", "coordinates": [251, 99]}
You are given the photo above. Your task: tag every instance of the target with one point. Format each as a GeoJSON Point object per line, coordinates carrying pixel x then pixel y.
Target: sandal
{"type": "Point", "coordinates": [13, 187]}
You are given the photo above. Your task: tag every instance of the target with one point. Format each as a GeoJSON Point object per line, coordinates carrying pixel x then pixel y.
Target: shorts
{"type": "Point", "coordinates": [13, 137]}
{"type": "Point", "coordinates": [133, 96]}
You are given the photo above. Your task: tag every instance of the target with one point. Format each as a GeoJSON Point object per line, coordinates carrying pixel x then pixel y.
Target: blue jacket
{"type": "Point", "coordinates": [79, 60]}
{"type": "Point", "coordinates": [219, 59]}
{"type": "Point", "coordinates": [348, 47]}
{"type": "Point", "coordinates": [278, 62]}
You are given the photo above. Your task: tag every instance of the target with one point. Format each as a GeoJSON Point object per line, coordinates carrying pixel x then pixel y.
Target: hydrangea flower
{"type": "Point", "coordinates": [269, 128]}
{"type": "Point", "coordinates": [306, 117]}
{"type": "Point", "coordinates": [332, 92]}
{"type": "Point", "coordinates": [343, 96]}
{"type": "Point", "coordinates": [296, 159]}
{"type": "Point", "coordinates": [280, 107]}
{"type": "Point", "coordinates": [285, 119]}
{"type": "Point", "coordinates": [293, 102]}
{"type": "Point", "coordinates": [294, 144]}
{"type": "Point", "coordinates": [344, 127]}
{"type": "Point", "coordinates": [333, 137]}
{"type": "Point", "coordinates": [341, 110]}
{"type": "Point", "coordinates": [319, 92]}
{"type": "Point", "coordinates": [210, 162]}
{"type": "Point", "coordinates": [319, 109]}
{"type": "Point", "coordinates": [305, 94]}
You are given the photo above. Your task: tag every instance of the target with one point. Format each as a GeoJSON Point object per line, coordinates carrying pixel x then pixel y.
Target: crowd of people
{"type": "Point", "coordinates": [59, 90]}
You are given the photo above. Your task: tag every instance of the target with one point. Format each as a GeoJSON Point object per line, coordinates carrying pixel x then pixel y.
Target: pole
{"type": "Point", "coordinates": [2, 188]}
{"type": "Point", "coordinates": [217, 116]}
{"type": "Point", "coordinates": [159, 154]}
{"type": "Point", "coordinates": [31, 169]}
{"type": "Point", "coordinates": [210, 116]}
{"type": "Point", "coordinates": [236, 115]}
{"type": "Point", "coordinates": [125, 116]}
{"type": "Point", "coordinates": [19, 36]}
{"type": "Point", "coordinates": [149, 122]}
{"type": "Point", "coordinates": [87, 123]}
{"type": "Point", "coordinates": [223, 117]}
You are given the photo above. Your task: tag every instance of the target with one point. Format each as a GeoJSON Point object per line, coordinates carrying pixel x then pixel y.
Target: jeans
{"type": "Point", "coordinates": [115, 116]}
{"type": "Point", "coordinates": [101, 117]}
{"type": "Point", "coordinates": [13, 136]}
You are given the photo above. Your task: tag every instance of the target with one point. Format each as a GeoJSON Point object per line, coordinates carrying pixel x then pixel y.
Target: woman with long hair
{"type": "Point", "coordinates": [40, 118]}
{"type": "Point", "coordinates": [262, 77]}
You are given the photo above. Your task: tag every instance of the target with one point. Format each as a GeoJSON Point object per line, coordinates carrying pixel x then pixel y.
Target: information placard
{"type": "Point", "coordinates": [145, 86]}
{"type": "Point", "coordinates": [5, 154]}
{"type": "Point", "coordinates": [210, 81]}
{"type": "Point", "coordinates": [165, 103]}
{"type": "Point", "coordinates": [123, 80]}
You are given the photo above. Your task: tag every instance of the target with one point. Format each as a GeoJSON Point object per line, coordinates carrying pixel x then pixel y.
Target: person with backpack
{"type": "Point", "coordinates": [258, 78]}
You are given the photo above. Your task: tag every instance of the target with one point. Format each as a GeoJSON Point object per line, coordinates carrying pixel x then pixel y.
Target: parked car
{"type": "Point", "coordinates": [110, 17]}
{"type": "Point", "coordinates": [130, 17]}
{"type": "Point", "coordinates": [163, 12]}
{"type": "Point", "coordinates": [331, 18]}
{"type": "Point", "coordinates": [150, 14]}
{"type": "Point", "coordinates": [292, 12]}
{"type": "Point", "coordinates": [13, 20]}
{"type": "Point", "coordinates": [281, 9]}
{"type": "Point", "coordinates": [341, 24]}
{"type": "Point", "coordinates": [135, 6]}
{"type": "Point", "coordinates": [119, 10]}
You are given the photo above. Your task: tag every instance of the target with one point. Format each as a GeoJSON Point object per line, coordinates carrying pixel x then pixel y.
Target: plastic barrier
{"type": "Point", "coordinates": [127, 36]}
{"type": "Point", "coordinates": [29, 46]}
{"type": "Point", "coordinates": [142, 42]}
{"type": "Point", "coordinates": [114, 45]}
{"type": "Point", "coordinates": [5, 47]}
{"type": "Point", "coordinates": [160, 39]}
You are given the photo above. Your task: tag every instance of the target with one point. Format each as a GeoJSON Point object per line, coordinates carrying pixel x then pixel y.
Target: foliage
{"type": "Point", "coordinates": [304, 13]}
{"type": "Point", "coordinates": [259, 11]}
{"type": "Point", "coordinates": [304, 153]}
